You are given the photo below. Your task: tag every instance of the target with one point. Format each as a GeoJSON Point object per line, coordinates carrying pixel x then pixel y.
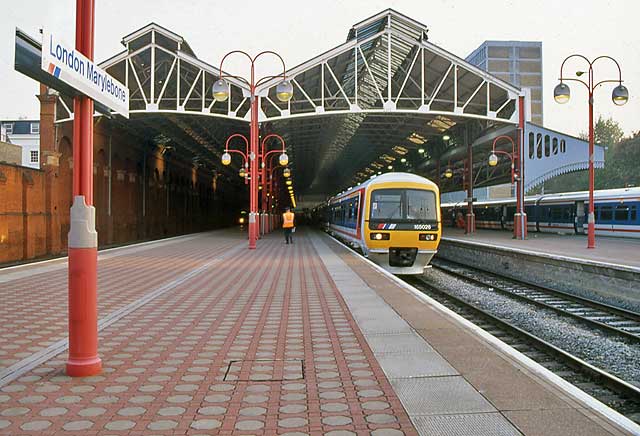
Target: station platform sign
{"type": "Point", "coordinates": [73, 68]}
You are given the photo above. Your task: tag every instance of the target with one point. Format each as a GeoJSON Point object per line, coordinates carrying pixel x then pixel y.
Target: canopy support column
{"type": "Point", "coordinates": [470, 223]}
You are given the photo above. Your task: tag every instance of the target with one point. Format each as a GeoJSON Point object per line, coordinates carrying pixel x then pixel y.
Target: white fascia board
{"type": "Point", "coordinates": [107, 63]}
{"type": "Point", "coordinates": [155, 27]}
{"type": "Point", "coordinates": [393, 13]}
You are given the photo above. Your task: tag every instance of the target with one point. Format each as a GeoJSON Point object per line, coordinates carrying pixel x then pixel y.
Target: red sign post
{"type": "Point", "coordinates": [83, 238]}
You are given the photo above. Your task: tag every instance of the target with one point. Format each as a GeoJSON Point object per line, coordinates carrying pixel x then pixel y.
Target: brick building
{"type": "Point", "coordinates": [140, 192]}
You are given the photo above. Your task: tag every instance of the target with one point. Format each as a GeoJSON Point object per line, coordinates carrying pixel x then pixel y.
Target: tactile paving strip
{"type": "Point", "coordinates": [440, 395]}
{"type": "Point", "coordinates": [475, 424]}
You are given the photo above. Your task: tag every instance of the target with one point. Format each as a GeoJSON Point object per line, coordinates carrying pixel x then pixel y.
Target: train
{"type": "Point", "coordinates": [617, 213]}
{"type": "Point", "coordinates": [394, 219]}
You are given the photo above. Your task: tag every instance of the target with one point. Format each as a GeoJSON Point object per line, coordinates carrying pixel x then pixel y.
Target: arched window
{"type": "Point", "coordinates": [539, 145]}
{"type": "Point", "coordinates": [555, 146]}
{"type": "Point", "coordinates": [547, 146]}
{"type": "Point", "coordinates": [563, 146]}
{"type": "Point", "coordinates": [532, 139]}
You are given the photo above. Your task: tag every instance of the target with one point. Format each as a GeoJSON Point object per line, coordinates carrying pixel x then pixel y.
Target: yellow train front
{"type": "Point", "coordinates": [394, 219]}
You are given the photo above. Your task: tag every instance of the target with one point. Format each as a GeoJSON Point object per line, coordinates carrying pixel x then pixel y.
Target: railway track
{"type": "Point", "coordinates": [613, 320]}
{"type": "Point", "coordinates": [607, 388]}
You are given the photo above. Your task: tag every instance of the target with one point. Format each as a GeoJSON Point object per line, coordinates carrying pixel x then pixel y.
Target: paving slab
{"type": "Point", "coordinates": [492, 386]}
{"type": "Point", "coordinates": [260, 342]}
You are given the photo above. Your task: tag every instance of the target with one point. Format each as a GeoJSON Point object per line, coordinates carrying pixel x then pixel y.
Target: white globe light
{"type": "Point", "coordinates": [561, 93]}
{"type": "Point", "coordinates": [620, 95]}
{"type": "Point", "coordinates": [283, 159]}
{"type": "Point", "coordinates": [493, 160]}
{"type": "Point", "coordinates": [284, 91]}
{"type": "Point", "coordinates": [226, 158]}
{"type": "Point", "coordinates": [220, 90]}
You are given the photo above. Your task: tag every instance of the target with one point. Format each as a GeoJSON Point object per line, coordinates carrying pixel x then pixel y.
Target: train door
{"type": "Point", "coordinates": [578, 221]}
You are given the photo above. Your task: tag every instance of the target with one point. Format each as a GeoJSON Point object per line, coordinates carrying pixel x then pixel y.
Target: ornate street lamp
{"type": "Point", "coordinates": [619, 96]}
{"type": "Point", "coordinates": [519, 221]}
{"type": "Point", "coordinates": [284, 92]}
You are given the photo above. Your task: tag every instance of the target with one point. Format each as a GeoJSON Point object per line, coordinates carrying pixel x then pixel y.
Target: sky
{"type": "Point", "coordinates": [300, 30]}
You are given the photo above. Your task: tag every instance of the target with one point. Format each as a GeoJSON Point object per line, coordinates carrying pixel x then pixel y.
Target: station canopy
{"type": "Point", "coordinates": [386, 99]}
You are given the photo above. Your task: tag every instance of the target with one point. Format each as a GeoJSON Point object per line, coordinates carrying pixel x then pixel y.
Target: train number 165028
{"type": "Point", "coordinates": [422, 226]}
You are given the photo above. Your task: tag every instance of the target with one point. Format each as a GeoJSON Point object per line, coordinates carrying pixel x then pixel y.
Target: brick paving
{"type": "Point", "coordinates": [259, 343]}
{"type": "Point", "coordinates": [34, 309]}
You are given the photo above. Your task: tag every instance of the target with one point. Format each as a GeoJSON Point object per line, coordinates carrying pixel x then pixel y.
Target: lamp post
{"type": "Point", "coordinates": [259, 161]}
{"type": "Point", "coordinates": [620, 95]}
{"type": "Point", "coordinates": [272, 188]}
{"type": "Point", "coordinates": [520, 217]}
{"type": "Point", "coordinates": [266, 166]}
{"type": "Point", "coordinates": [284, 92]}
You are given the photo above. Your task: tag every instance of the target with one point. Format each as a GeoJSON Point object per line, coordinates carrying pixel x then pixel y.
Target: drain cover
{"type": "Point", "coordinates": [265, 370]}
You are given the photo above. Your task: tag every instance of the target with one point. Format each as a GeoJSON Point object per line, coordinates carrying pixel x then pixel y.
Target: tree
{"type": "Point", "coordinates": [606, 132]}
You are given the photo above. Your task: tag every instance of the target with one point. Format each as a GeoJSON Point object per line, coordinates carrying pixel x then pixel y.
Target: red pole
{"type": "Point", "coordinates": [591, 224]}
{"type": "Point", "coordinates": [520, 223]}
{"type": "Point", "coordinates": [471, 218]}
{"type": "Point", "coordinates": [253, 167]}
{"type": "Point", "coordinates": [83, 239]}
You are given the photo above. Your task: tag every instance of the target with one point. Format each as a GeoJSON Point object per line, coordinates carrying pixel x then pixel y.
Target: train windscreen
{"type": "Point", "coordinates": [403, 204]}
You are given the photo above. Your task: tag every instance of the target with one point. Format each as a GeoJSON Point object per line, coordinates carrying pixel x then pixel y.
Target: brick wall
{"type": "Point", "coordinates": [10, 153]}
{"type": "Point", "coordinates": [23, 215]}
{"type": "Point", "coordinates": [139, 194]}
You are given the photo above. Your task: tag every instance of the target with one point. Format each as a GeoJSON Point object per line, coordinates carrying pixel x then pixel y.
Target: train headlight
{"type": "Point", "coordinates": [427, 237]}
{"type": "Point", "coordinates": [379, 236]}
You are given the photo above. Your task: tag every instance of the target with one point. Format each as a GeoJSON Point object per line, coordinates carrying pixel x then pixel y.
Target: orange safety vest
{"type": "Point", "coordinates": [287, 222]}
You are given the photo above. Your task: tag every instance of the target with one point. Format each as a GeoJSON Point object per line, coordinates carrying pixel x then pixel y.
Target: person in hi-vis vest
{"type": "Point", "coordinates": [288, 225]}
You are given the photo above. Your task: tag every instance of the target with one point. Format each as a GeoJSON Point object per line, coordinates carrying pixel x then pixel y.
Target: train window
{"type": "Point", "coordinates": [633, 215]}
{"type": "Point", "coordinates": [563, 146]}
{"type": "Point", "coordinates": [530, 211]}
{"type": "Point", "coordinates": [386, 203]}
{"type": "Point", "coordinates": [404, 204]}
{"type": "Point", "coordinates": [606, 213]}
{"type": "Point", "coordinates": [547, 145]}
{"type": "Point", "coordinates": [555, 146]}
{"type": "Point", "coordinates": [621, 213]}
{"type": "Point", "coordinates": [531, 144]}
{"type": "Point", "coordinates": [421, 205]}
{"type": "Point", "coordinates": [539, 145]}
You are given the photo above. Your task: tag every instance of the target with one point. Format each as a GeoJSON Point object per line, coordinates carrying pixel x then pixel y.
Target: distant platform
{"type": "Point", "coordinates": [614, 251]}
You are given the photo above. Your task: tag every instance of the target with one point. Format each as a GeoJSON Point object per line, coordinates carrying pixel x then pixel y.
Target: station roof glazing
{"type": "Point", "coordinates": [364, 106]}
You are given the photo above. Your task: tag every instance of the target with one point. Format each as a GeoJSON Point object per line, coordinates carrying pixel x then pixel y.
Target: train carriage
{"type": "Point", "coordinates": [394, 219]}
{"type": "Point", "coordinates": [617, 213]}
